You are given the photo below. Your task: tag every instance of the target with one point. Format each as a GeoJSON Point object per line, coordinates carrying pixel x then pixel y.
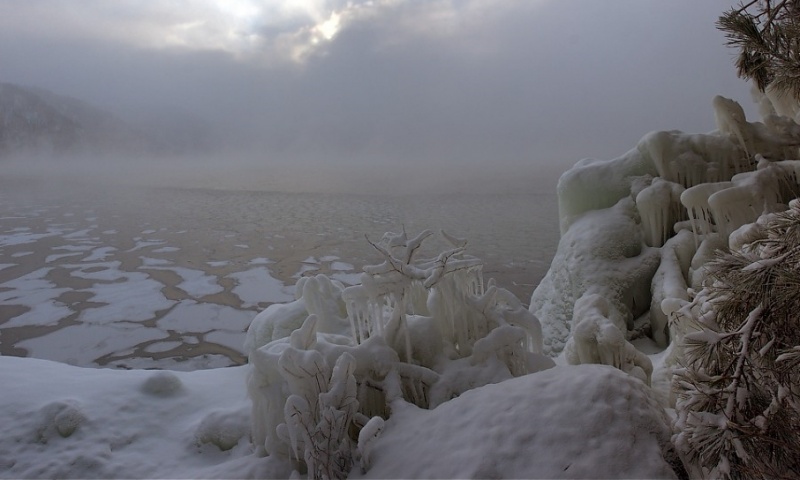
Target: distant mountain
{"type": "Point", "coordinates": [28, 122]}
{"type": "Point", "coordinates": [40, 121]}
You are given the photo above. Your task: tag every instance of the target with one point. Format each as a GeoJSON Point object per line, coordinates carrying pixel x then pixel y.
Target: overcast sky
{"type": "Point", "coordinates": [508, 81]}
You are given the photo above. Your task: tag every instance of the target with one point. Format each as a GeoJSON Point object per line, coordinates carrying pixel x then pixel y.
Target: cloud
{"type": "Point", "coordinates": [389, 80]}
{"type": "Point", "coordinates": [267, 30]}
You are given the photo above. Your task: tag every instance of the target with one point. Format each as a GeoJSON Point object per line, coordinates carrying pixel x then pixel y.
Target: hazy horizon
{"type": "Point", "coordinates": [387, 85]}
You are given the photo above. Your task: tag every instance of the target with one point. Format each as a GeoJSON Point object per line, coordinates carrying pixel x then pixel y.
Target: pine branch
{"type": "Point", "coordinates": [767, 37]}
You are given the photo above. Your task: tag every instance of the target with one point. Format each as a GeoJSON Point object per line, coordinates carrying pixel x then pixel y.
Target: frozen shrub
{"type": "Point", "coordinates": [739, 391]}
{"type": "Point", "coordinates": [597, 337]}
{"type": "Point", "coordinates": [416, 330]}
{"type": "Point", "coordinates": [320, 411]}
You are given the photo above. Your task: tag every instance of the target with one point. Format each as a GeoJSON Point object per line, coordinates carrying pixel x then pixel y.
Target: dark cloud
{"type": "Point", "coordinates": [537, 82]}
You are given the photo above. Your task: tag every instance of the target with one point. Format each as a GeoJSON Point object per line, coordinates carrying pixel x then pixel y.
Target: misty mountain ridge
{"type": "Point", "coordinates": [37, 121]}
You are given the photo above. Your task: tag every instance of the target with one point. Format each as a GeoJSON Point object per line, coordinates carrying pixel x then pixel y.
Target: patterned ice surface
{"type": "Point", "coordinates": [98, 280]}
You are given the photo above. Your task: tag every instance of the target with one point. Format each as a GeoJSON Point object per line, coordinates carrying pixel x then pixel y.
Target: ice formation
{"type": "Point", "coordinates": [337, 360]}
{"type": "Point", "coordinates": [597, 337]}
{"type": "Point", "coordinates": [637, 230]}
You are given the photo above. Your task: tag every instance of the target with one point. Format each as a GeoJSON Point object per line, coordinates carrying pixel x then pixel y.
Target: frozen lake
{"type": "Point", "coordinates": [135, 277]}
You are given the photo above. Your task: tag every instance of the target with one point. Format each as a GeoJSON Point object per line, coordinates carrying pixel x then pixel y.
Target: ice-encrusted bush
{"type": "Point", "coordinates": [322, 407]}
{"type": "Point", "coordinates": [597, 337]}
{"type": "Point", "coordinates": [739, 391]}
{"type": "Point", "coordinates": [421, 330]}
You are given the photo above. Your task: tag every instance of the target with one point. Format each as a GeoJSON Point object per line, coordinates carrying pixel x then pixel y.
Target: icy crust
{"type": "Point", "coordinates": [337, 359]}
{"type": "Point", "coordinates": [637, 230]}
{"type": "Point", "coordinates": [608, 427]}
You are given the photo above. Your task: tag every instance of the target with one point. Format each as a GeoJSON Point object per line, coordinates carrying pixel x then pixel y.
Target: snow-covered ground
{"type": "Point", "coordinates": [61, 421]}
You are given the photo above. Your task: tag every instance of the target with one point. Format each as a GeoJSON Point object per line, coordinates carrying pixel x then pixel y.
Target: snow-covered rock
{"type": "Point", "coordinates": [587, 421]}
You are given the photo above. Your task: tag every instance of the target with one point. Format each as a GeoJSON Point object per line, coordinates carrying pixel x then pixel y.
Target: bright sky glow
{"type": "Point", "coordinates": [330, 27]}
{"type": "Point", "coordinates": [266, 29]}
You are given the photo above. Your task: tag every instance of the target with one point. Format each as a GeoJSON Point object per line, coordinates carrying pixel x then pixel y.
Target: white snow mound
{"type": "Point", "coordinates": [587, 421]}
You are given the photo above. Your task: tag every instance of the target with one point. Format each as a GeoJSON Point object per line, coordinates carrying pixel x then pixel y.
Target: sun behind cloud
{"type": "Point", "coordinates": [262, 31]}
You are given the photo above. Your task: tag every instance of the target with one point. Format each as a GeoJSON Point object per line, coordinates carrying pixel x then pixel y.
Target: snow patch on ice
{"type": "Point", "coordinates": [135, 299]}
{"type": "Point", "coordinates": [145, 244]}
{"type": "Point", "coordinates": [84, 343]}
{"type": "Point", "coordinates": [99, 254]}
{"type": "Point", "coordinates": [105, 271]}
{"type": "Point", "coordinates": [166, 250]}
{"type": "Point", "coordinates": [191, 316]}
{"type": "Point", "coordinates": [25, 237]}
{"type": "Point", "coordinates": [305, 268]}
{"type": "Point", "coordinates": [260, 261]}
{"type": "Point", "coordinates": [74, 248]}
{"type": "Point", "coordinates": [39, 295]}
{"type": "Point", "coordinates": [257, 286]}
{"type": "Point", "coordinates": [54, 257]}
{"type": "Point", "coordinates": [154, 262]}
{"type": "Point", "coordinates": [196, 283]}
{"type": "Point", "coordinates": [347, 278]}
{"type": "Point", "coordinates": [342, 266]}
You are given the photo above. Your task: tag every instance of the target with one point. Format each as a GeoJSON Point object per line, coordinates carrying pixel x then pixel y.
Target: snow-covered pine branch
{"type": "Point", "coordinates": [738, 409]}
